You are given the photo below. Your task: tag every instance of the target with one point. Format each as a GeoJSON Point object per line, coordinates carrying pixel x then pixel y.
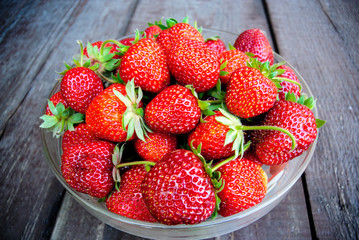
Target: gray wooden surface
{"type": "Point", "coordinates": [318, 37]}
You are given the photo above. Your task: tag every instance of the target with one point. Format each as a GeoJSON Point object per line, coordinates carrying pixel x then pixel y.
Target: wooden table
{"type": "Point", "coordinates": [320, 38]}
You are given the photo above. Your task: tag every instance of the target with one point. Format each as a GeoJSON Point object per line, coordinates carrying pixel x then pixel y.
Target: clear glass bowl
{"type": "Point", "coordinates": [278, 186]}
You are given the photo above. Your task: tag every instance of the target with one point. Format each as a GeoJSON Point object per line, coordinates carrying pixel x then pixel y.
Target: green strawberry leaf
{"type": "Point", "coordinates": [319, 122]}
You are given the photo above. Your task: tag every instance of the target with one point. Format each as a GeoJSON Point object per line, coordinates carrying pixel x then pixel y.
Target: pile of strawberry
{"type": "Point", "coordinates": [199, 121]}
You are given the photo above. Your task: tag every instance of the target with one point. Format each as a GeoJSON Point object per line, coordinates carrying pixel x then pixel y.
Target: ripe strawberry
{"type": "Point", "coordinates": [233, 59]}
{"type": "Point", "coordinates": [156, 146]}
{"type": "Point", "coordinates": [79, 86]}
{"type": "Point", "coordinates": [249, 93]}
{"type": "Point", "coordinates": [127, 41]}
{"type": "Point", "coordinates": [128, 200]}
{"type": "Point", "coordinates": [176, 32]}
{"type": "Point", "coordinates": [174, 111]}
{"type": "Point", "coordinates": [79, 135]}
{"type": "Point", "coordinates": [87, 168]}
{"type": "Point", "coordinates": [212, 135]}
{"type": "Point", "coordinates": [255, 41]}
{"type": "Point", "coordinates": [152, 31]}
{"type": "Point", "coordinates": [55, 99]}
{"type": "Point", "coordinates": [145, 62]}
{"type": "Point", "coordinates": [216, 44]}
{"type": "Point", "coordinates": [192, 63]}
{"type": "Point", "coordinates": [288, 87]}
{"type": "Point", "coordinates": [273, 147]}
{"type": "Point", "coordinates": [245, 186]}
{"type": "Point", "coordinates": [177, 190]}
{"type": "Point", "coordinates": [109, 114]}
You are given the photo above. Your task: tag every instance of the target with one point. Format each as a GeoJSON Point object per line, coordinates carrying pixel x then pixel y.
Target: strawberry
{"type": "Point", "coordinates": [174, 111]}
{"type": "Point", "coordinates": [87, 168]}
{"type": "Point", "coordinates": [177, 190]}
{"type": "Point", "coordinates": [79, 135]}
{"type": "Point", "coordinates": [115, 115]}
{"type": "Point", "coordinates": [176, 32]}
{"type": "Point", "coordinates": [128, 200]}
{"type": "Point", "coordinates": [55, 99]}
{"type": "Point", "coordinates": [152, 31]}
{"type": "Point", "coordinates": [127, 41]}
{"type": "Point", "coordinates": [232, 60]}
{"type": "Point", "coordinates": [288, 87]}
{"type": "Point", "coordinates": [79, 86]}
{"type": "Point", "coordinates": [192, 63]}
{"type": "Point", "coordinates": [145, 62]}
{"type": "Point", "coordinates": [212, 135]}
{"type": "Point", "coordinates": [255, 41]}
{"type": "Point", "coordinates": [273, 147]}
{"type": "Point", "coordinates": [249, 93]}
{"type": "Point", "coordinates": [245, 186]}
{"type": "Point", "coordinates": [156, 146]}
{"type": "Point", "coordinates": [216, 44]}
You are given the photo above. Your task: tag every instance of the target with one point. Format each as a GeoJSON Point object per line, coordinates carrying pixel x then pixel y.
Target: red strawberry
{"type": "Point", "coordinates": [274, 147]}
{"type": "Point", "coordinates": [79, 86]}
{"type": "Point", "coordinates": [192, 63]}
{"type": "Point", "coordinates": [177, 190]}
{"type": "Point", "coordinates": [174, 111]}
{"type": "Point", "coordinates": [127, 41]}
{"type": "Point", "coordinates": [212, 135]}
{"type": "Point", "coordinates": [245, 186]}
{"type": "Point", "coordinates": [233, 59]}
{"type": "Point", "coordinates": [87, 168]}
{"type": "Point", "coordinates": [156, 146]}
{"type": "Point", "coordinates": [128, 200]}
{"type": "Point", "coordinates": [288, 87]}
{"type": "Point", "coordinates": [79, 135]}
{"type": "Point", "coordinates": [55, 99]}
{"type": "Point", "coordinates": [176, 32]}
{"type": "Point", "coordinates": [216, 44]}
{"type": "Point", "coordinates": [107, 113]}
{"type": "Point", "coordinates": [152, 31]}
{"type": "Point", "coordinates": [255, 41]}
{"type": "Point", "coordinates": [145, 62]}
{"type": "Point", "coordinates": [249, 93]}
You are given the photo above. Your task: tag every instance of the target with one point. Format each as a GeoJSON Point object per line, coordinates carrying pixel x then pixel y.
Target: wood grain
{"type": "Point", "coordinates": [317, 41]}
{"type": "Point", "coordinates": [31, 196]}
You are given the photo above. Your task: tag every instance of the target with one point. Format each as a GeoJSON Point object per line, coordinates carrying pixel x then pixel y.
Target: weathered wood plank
{"type": "Point", "coordinates": [30, 193]}
{"type": "Point", "coordinates": [324, 47]}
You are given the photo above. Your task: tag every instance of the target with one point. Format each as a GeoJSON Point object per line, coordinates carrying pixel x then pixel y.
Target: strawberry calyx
{"type": "Point", "coordinates": [270, 71]}
{"type": "Point", "coordinates": [63, 119]}
{"type": "Point", "coordinates": [235, 133]}
{"type": "Point", "coordinates": [207, 106]}
{"type": "Point", "coordinates": [305, 101]}
{"type": "Point", "coordinates": [132, 119]}
{"type": "Point", "coordinates": [171, 22]}
{"type": "Point", "coordinates": [80, 63]}
{"type": "Point", "coordinates": [102, 57]}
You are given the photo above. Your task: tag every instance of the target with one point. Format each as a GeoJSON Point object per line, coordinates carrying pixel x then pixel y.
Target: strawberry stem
{"type": "Point", "coordinates": [135, 163]}
{"type": "Point", "coordinates": [227, 160]}
{"type": "Point", "coordinates": [294, 144]}
{"type": "Point", "coordinates": [281, 79]}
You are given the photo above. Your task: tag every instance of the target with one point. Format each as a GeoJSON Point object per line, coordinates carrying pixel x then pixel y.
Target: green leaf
{"type": "Point", "coordinates": [230, 137]}
{"type": "Point", "coordinates": [319, 122]}
{"type": "Point", "coordinates": [49, 121]}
